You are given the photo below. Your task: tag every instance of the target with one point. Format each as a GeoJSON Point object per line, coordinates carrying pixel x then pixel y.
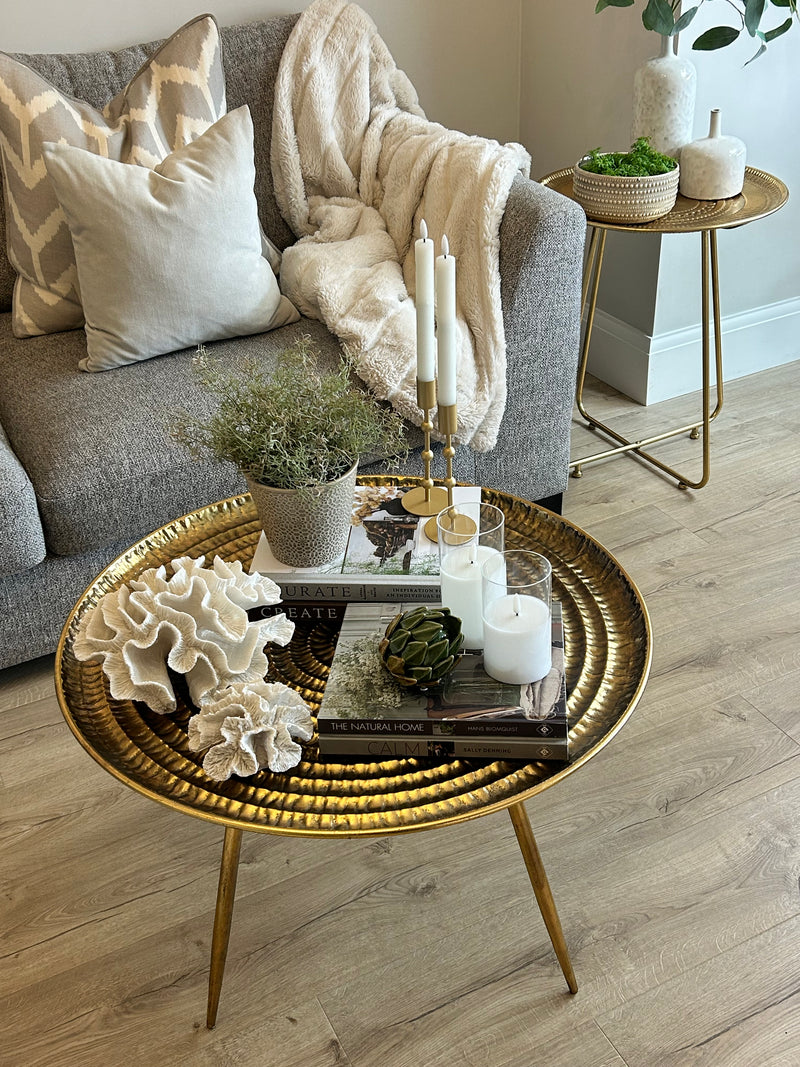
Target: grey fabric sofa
{"type": "Point", "coordinates": [87, 465]}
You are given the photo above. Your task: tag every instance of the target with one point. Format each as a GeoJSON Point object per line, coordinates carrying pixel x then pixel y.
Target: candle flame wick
{"type": "Point", "coordinates": [423, 229]}
{"type": "Point", "coordinates": [445, 246]}
{"type": "Point", "coordinates": [517, 605]}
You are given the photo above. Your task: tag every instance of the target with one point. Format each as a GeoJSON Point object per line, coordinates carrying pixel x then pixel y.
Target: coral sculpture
{"type": "Point", "coordinates": [194, 622]}
{"type": "Point", "coordinates": [249, 726]}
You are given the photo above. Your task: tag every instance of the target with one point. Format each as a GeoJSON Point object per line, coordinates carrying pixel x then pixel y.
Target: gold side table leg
{"type": "Point", "coordinates": [591, 284]}
{"type": "Point", "coordinates": [710, 300]}
{"type": "Point", "coordinates": [541, 887]}
{"type": "Point", "coordinates": [229, 868]}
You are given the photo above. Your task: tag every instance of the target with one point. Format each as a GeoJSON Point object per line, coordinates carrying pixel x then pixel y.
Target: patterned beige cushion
{"type": "Point", "coordinates": [172, 99]}
{"type": "Point", "coordinates": [171, 256]}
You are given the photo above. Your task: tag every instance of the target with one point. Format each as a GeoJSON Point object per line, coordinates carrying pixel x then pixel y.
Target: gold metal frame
{"type": "Point", "coordinates": [608, 658]}
{"type": "Point", "coordinates": [762, 194]}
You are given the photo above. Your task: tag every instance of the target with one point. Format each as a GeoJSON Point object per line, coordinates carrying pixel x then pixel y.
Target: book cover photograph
{"type": "Point", "coordinates": [388, 554]}
{"type": "Point", "coordinates": [362, 702]}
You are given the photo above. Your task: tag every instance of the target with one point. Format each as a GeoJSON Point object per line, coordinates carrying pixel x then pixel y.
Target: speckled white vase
{"type": "Point", "coordinates": [713, 167]}
{"type": "Point", "coordinates": [664, 90]}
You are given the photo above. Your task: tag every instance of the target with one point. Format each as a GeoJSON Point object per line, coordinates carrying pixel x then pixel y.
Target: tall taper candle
{"type": "Point", "coordinates": [426, 346]}
{"type": "Point", "coordinates": [446, 325]}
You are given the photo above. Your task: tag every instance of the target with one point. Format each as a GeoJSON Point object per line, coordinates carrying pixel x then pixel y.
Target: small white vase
{"type": "Point", "coordinates": [713, 167]}
{"type": "Point", "coordinates": [664, 90]}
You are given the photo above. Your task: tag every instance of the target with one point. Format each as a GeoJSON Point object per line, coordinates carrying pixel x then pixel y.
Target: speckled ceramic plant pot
{"type": "Point", "coordinates": [309, 527]}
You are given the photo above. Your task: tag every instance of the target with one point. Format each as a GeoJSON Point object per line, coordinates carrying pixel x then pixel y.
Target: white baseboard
{"type": "Point", "coordinates": [650, 369]}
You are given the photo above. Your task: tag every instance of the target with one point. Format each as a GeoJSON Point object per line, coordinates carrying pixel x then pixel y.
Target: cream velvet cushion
{"type": "Point", "coordinates": [173, 98]}
{"type": "Point", "coordinates": [170, 257]}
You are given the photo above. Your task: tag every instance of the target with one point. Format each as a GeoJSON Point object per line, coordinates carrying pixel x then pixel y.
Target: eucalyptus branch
{"type": "Point", "coordinates": [660, 17]}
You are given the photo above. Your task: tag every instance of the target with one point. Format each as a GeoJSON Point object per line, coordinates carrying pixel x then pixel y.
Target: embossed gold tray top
{"type": "Point", "coordinates": [608, 651]}
{"type": "Point", "coordinates": [762, 194]}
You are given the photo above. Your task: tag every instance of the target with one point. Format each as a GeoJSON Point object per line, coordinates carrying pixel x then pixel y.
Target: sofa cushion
{"type": "Point", "coordinates": [21, 536]}
{"type": "Point", "coordinates": [169, 257]}
{"type": "Point", "coordinates": [176, 95]}
{"type": "Point", "coordinates": [251, 54]}
{"type": "Point", "coordinates": [97, 447]}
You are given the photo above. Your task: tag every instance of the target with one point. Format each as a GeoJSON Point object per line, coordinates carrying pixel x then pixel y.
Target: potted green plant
{"type": "Point", "coordinates": [626, 187]}
{"type": "Point", "coordinates": [296, 435]}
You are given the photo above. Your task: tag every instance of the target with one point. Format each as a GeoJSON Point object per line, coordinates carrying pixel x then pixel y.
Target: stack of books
{"type": "Point", "coordinates": [364, 713]}
{"type": "Point", "coordinates": [388, 557]}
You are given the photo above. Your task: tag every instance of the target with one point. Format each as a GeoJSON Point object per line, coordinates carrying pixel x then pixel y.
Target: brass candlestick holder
{"type": "Point", "coordinates": [463, 527]}
{"type": "Point", "coordinates": [427, 499]}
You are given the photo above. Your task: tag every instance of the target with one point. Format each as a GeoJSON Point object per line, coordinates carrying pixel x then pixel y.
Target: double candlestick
{"type": "Point", "coordinates": [437, 277]}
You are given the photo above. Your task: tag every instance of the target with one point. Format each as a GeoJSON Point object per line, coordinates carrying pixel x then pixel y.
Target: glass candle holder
{"type": "Point", "coordinates": [469, 534]}
{"type": "Point", "coordinates": [517, 630]}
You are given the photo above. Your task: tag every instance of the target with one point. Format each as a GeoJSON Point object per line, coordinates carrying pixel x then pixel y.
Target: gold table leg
{"type": "Point", "coordinates": [541, 887]}
{"type": "Point", "coordinates": [226, 892]}
{"type": "Point", "coordinates": [709, 294]}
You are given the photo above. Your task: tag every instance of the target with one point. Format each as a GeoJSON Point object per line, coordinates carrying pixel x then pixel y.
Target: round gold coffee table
{"type": "Point", "coordinates": [608, 652]}
{"type": "Point", "coordinates": [761, 195]}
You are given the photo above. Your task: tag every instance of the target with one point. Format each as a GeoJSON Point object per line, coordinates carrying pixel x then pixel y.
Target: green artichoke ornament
{"type": "Point", "coordinates": [421, 646]}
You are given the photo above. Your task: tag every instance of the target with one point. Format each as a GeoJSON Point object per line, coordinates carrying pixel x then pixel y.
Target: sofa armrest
{"type": "Point", "coordinates": [21, 535]}
{"type": "Point", "coordinates": [542, 238]}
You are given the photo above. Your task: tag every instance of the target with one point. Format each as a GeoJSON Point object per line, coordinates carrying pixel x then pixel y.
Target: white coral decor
{"type": "Point", "coordinates": [250, 726]}
{"type": "Point", "coordinates": [194, 622]}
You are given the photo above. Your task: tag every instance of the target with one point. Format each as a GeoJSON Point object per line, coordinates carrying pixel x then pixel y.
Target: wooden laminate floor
{"type": "Point", "coordinates": [674, 856]}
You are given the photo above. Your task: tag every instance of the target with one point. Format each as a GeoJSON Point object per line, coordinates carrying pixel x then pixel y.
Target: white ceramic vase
{"type": "Point", "coordinates": [664, 90]}
{"type": "Point", "coordinates": [713, 167]}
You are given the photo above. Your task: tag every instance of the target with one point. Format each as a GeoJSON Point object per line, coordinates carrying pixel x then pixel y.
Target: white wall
{"type": "Point", "coordinates": [462, 55]}
{"type": "Point", "coordinates": [576, 84]}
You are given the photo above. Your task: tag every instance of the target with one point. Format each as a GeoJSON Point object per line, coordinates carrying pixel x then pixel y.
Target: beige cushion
{"type": "Point", "coordinates": [168, 257]}
{"type": "Point", "coordinates": [176, 95]}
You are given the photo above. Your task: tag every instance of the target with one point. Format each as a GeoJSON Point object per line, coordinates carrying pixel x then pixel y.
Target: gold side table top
{"type": "Point", "coordinates": [608, 650]}
{"type": "Point", "coordinates": [762, 194]}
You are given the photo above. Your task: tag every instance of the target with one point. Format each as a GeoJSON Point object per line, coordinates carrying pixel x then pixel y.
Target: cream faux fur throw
{"type": "Point", "coordinates": [356, 166]}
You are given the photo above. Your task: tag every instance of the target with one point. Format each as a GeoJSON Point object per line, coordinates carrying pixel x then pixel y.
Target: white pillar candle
{"type": "Point", "coordinates": [446, 325]}
{"type": "Point", "coordinates": [461, 582]}
{"type": "Point", "coordinates": [426, 343]}
{"type": "Point", "coordinates": [517, 639]}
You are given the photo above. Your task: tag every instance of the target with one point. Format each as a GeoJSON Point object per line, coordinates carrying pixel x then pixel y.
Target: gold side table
{"type": "Point", "coordinates": [762, 194]}
{"type": "Point", "coordinates": [608, 653]}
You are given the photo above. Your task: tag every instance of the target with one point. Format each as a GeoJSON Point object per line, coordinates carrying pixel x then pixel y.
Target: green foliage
{"type": "Point", "coordinates": [300, 427]}
{"type": "Point", "coordinates": [660, 16]}
{"type": "Point", "coordinates": [640, 161]}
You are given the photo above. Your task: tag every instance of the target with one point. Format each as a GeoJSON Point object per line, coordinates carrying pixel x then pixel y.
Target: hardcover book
{"type": "Point", "coordinates": [381, 748]}
{"type": "Point", "coordinates": [362, 704]}
{"type": "Point", "coordinates": [388, 556]}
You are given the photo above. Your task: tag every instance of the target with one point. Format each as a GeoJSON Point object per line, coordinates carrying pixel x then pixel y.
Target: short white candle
{"type": "Point", "coordinates": [517, 639]}
{"type": "Point", "coordinates": [461, 583]}
{"type": "Point", "coordinates": [446, 325]}
{"type": "Point", "coordinates": [426, 342]}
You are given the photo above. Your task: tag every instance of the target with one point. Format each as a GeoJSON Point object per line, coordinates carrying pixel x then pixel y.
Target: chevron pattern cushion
{"type": "Point", "coordinates": [175, 96]}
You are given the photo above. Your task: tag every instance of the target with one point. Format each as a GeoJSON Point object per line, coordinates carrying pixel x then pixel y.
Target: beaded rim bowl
{"type": "Point", "coordinates": [623, 198]}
